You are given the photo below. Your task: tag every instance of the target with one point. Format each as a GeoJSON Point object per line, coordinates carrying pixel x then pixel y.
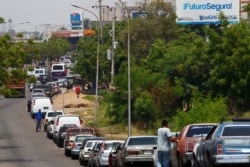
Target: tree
{"type": "Point", "coordinates": [230, 73]}
{"type": "Point", "coordinates": [12, 57]}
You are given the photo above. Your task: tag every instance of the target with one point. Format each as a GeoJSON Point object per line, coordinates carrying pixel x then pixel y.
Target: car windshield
{"type": "Point", "coordinates": [90, 144]}
{"type": "Point", "coordinates": [143, 141]}
{"type": "Point", "coordinates": [199, 130]}
{"type": "Point", "coordinates": [80, 138]}
{"type": "Point", "coordinates": [37, 95]}
{"type": "Point", "coordinates": [236, 131]}
{"type": "Point", "coordinates": [37, 91]}
{"type": "Point", "coordinates": [108, 146]}
{"type": "Point", "coordinates": [54, 114]}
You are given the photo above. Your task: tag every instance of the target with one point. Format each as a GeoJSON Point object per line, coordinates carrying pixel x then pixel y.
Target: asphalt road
{"type": "Point", "coordinates": [21, 145]}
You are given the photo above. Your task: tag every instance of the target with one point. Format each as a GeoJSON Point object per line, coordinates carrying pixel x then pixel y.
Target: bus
{"type": "Point", "coordinates": [58, 71]}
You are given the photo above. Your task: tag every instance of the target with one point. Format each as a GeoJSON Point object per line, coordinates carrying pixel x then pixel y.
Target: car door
{"type": "Point", "coordinates": [207, 148]}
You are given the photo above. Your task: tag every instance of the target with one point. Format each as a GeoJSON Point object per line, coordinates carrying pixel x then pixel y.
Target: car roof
{"type": "Point", "coordinates": [35, 98]}
{"type": "Point", "coordinates": [197, 124]}
{"type": "Point", "coordinates": [51, 111]}
{"type": "Point", "coordinates": [114, 141]}
{"type": "Point", "coordinates": [96, 138]}
{"type": "Point", "coordinates": [142, 136]}
{"type": "Point", "coordinates": [55, 111]}
{"type": "Point", "coordinates": [235, 123]}
{"type": "Point", "coordinates": [37, 89]}
{"type": "Point", "coordinates": [70, 115]}
{"type": "Point", "coordinates": [87, 135]}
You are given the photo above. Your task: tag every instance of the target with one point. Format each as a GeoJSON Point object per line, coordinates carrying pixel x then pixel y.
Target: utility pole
{"type": "Point", "coordinates": [100, 6]}
{"type": "Point", "coordinates": [113, 50]}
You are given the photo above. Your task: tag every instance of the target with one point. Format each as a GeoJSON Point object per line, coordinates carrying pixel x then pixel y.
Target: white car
{"type": "Point", "coordinates": [43, 103]}
{"type": "Point", "coordinates": [102, 157]}
{"type": "Point", "coordinates": [50, 130]}
{"type": "Point", "coordinates": [36, 91]}
{"type": "Point", "coordinates": [65, 119]}
{"type": "Point", "coordinates": [139, 150]}
{"type": "Point", "coordinates": [67, 62]}
{"type": "Point", "coordinates": [86, 146]}
{"type": "Point", "coordinates": [50, 116]}
{"type": "Point", "coordinates": [37, 72]}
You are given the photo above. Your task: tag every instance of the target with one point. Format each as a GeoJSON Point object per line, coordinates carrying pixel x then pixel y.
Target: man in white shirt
{"type": "Point", "coordinates": [164, 145]}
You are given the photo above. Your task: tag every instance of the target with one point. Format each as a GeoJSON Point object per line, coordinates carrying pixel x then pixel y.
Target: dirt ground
{"type": "Point", "coordinates": [71, 103]}
{"type": "Point", "coordinates": [84, 108]}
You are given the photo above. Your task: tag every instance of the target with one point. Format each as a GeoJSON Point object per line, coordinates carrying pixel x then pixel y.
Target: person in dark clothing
{"type": "Point", "coordinates": [38, 117]}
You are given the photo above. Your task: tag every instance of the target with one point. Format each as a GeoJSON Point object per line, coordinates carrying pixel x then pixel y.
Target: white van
{"type": "Point", "coordinates": [58, 71]}
{"type": "Point", "coordinates": [43, 103]}
{"type": "Point", "coordinates": [37, 72]}
{"type": "Point", "coordinates": [60, 120]}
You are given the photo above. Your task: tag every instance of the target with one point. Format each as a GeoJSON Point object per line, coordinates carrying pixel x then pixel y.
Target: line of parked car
{"type": "Point", "coordinates": [200, 144]}
{"type": "Point", "coordinates": [215, 144]}
{"type": "Point", "coordinates": [81, 143]}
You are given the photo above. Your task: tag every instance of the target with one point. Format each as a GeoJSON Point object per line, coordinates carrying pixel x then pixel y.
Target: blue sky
{"type": "Point", "coordinates": [42, 12]}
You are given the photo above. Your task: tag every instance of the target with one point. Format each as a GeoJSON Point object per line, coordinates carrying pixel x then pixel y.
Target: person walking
{"type": "Point", "coordinates": [77, 90]}
{"type": "Point", "coordinates": [38, 117]}
{"type": "Point", "coordinates": [164, 145]}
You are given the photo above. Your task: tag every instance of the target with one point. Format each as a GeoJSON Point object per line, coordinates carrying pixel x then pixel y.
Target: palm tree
{"type": "Point", "coordinates": [2, 21]}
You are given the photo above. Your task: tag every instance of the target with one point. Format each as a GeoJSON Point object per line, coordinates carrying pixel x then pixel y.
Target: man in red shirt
{"type": "Point", "coordinates": [77, 90]}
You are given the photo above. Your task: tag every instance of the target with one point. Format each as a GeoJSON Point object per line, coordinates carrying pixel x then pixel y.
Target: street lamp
{"type": "Point", "coordinates": [24, 22]}
{"type": "Point", "coordinates": [97, 59]}
{"type": "Point", "coordinates": [129, 85]}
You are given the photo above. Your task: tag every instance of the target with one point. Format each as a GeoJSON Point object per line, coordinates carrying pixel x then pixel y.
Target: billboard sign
{"type": "Point", "coordinates": [76, 20]}
{"type": "Point", "coordinates": [206, 11]}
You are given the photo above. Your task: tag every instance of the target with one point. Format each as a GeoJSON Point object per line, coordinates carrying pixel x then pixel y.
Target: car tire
{"type": "Point", "coordinates": [45, 128]}
{"type": "Point", "coordinates": [80, 161]}
{"type": "Point", "coordinates": [125, 165]}
{"type": "Point", "coordinates": [84, 162]}
{"type": "Point", "coordinates": [180, 163]}
{"type": "Point", "coordinates": [210, 162]}
{"type": "Point", "coordinates": [89, 165]}
{"type": "Point", "coordinates": [194, 162]}
{"type": "Point", "coordinates": [73, 157]}
{"type": "Point", "coordinates": [66, 153]}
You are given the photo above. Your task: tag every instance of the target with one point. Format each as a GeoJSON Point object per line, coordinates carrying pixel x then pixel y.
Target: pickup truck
{"type": "Point", "coordinates": [71, 133]}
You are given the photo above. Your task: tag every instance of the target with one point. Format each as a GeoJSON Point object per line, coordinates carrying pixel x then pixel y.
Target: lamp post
{"type": "Point", "coordinates": [24, 22]}
{"type": "Point", "coordinates": [12, 32]}
{"type": "Point", "coordinates": [97, 59]}
{"type": "Point", "coordinates": [129, 85]}
{"type": "Point", "coordinates": [113, 51]}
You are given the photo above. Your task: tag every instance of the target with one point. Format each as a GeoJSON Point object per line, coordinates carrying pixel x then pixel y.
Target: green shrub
{"type": "Point", "coordinates": [203, 110]}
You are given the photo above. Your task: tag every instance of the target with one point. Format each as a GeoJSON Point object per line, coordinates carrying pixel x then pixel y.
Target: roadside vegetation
{"type": "Point", "coordinates": [186, 74]}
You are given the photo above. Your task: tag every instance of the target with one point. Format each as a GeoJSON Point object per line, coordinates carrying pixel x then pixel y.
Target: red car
{"type": "Point", "coordinates": [188, 138]}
